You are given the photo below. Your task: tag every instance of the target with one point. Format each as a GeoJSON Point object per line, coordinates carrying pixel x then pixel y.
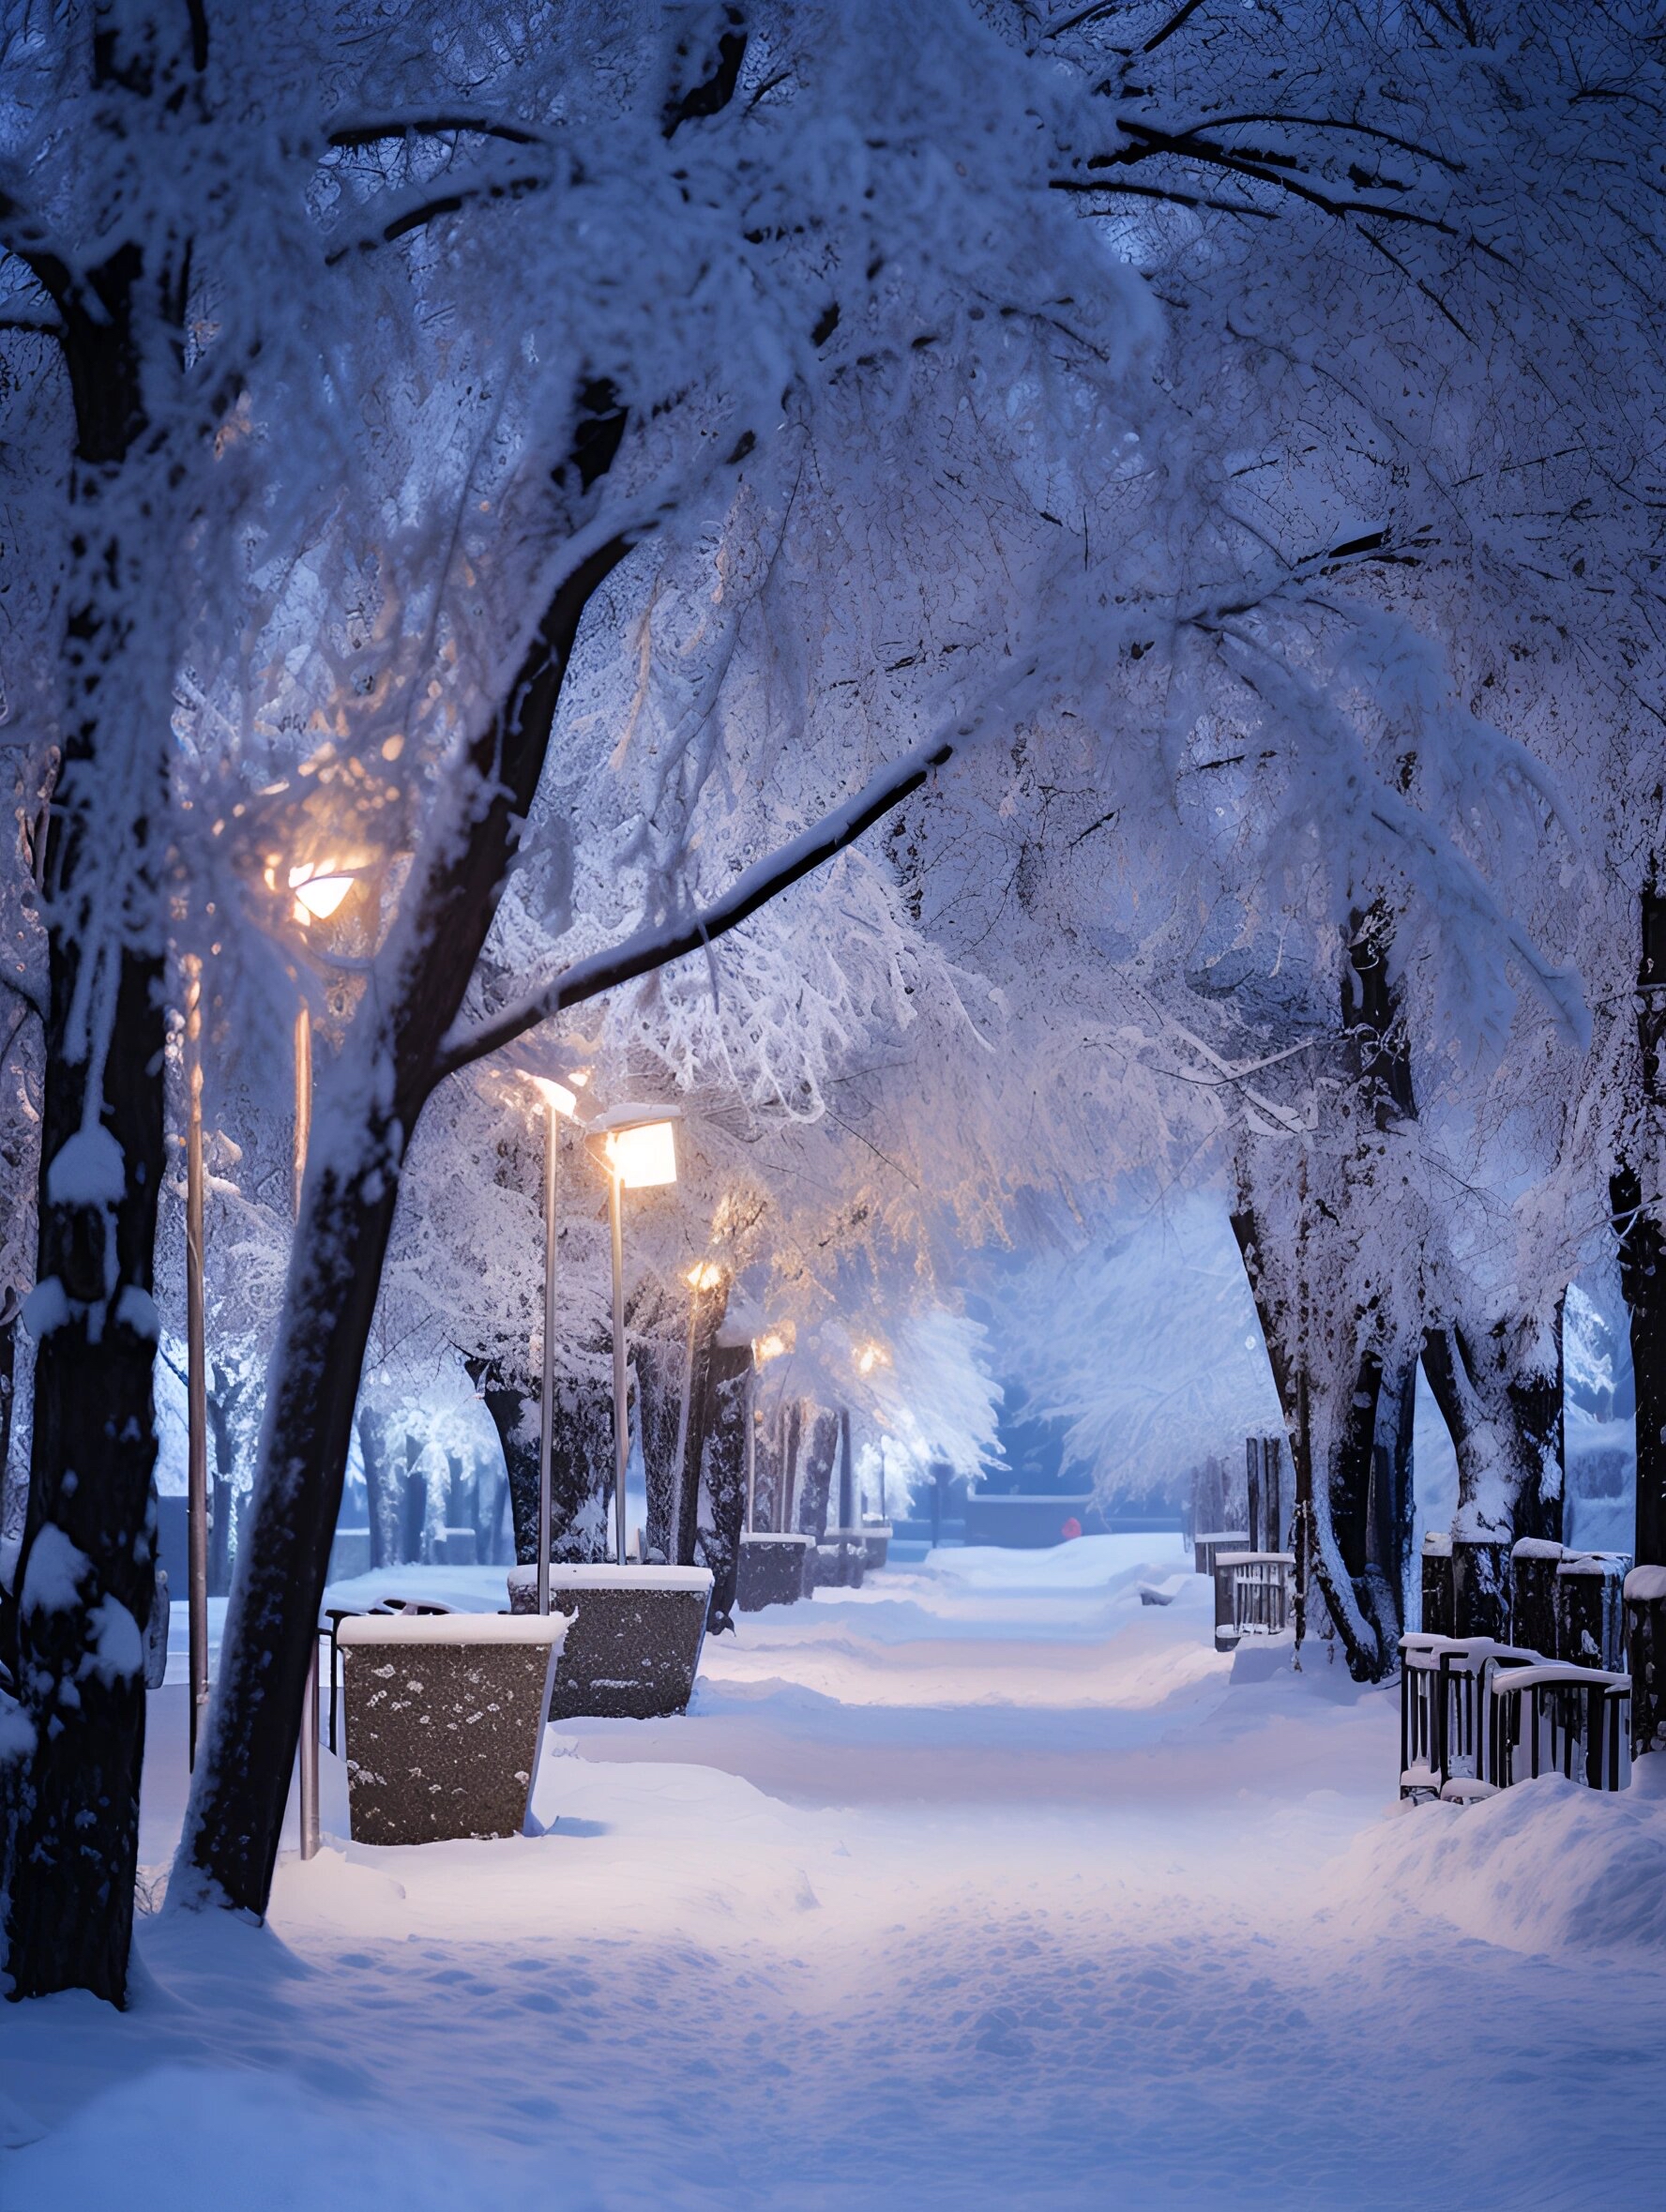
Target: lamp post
{"type": "Point", "coordinates": [318, 895]}
{"type": "Point", "coordinates": [560, 1104]}
{"type": "Point", "coordinates": [639, 1154]}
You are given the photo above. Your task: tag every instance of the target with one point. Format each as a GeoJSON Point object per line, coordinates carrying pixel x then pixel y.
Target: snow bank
{"type": "Point", "coordinates": [206, 2139]}
{"type": "Point", "coordinates": [1547, 1866]}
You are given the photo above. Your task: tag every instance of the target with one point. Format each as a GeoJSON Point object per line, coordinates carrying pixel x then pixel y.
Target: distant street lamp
{"type": "Point", "coordinates": [639, 1152]}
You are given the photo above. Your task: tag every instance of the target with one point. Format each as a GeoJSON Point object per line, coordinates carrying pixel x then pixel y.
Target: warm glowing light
{"type": "Point", "coordinates": [318, 892]}
{"type": "Point", "coordinates": [705, 1275]}
{"type": "Point", "coordinates": [555, 1094]}
{"type": "Point", "coordinates": [870, 1355]}
{"type": "Point", "coordinates": [772, 1343]}
{"type": "Point", "coordinates": [643, 1158]}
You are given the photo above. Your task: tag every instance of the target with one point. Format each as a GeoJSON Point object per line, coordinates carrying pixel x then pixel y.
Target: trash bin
{"type": "Point", "coordinates": [444, 1721]}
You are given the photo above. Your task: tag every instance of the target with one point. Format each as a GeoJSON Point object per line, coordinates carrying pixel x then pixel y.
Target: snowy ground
{"type": "Point", "coordinates": [983, 1885]}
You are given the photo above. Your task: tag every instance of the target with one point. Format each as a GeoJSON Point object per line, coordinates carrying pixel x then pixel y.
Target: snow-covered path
{"type": "Point", "coordinates": [982, 1885]}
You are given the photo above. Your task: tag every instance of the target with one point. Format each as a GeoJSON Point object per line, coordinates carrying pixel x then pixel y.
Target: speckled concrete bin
{"type": "Point", "coordinates": [444, 1721]}
{"type": "Point", "coordinates": [876, 1542]}
{"type": "Point", "coordinates": [635, 1641]}
{"type": "Point", "coordinates": [771, 1570]}
{"type": "Point", "coordinates": [839, 1562]}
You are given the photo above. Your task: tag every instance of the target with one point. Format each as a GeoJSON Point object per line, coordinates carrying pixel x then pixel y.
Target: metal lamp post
{"type": "Point", "coordinates": [639, 1154]}
{"type": "Point", "coordinates": [318, 895]}
{"type": "Point", "coordinates": [560, 1104]}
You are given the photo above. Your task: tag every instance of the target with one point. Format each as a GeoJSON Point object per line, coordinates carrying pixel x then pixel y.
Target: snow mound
{"type": "Point", "coordinates": [186, 2139]}
{"type": "Point", "coordinates": [1547, 1866]}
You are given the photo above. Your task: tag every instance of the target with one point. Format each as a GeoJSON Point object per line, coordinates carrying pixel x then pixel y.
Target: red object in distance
{"type": "Point", "coordinates": [1073, 1528]}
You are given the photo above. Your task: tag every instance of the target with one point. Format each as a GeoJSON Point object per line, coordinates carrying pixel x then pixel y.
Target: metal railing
{"type": "Point", "coordinates": [1445, 1720]}
{"type": "Point", "coordinates": [1460, 1717]}
{"type": "Point", "coordinates": [1567, 1711]}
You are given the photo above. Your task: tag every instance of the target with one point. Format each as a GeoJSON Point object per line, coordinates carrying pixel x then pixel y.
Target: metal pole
{"type": "Point", "coordinates": [547, 1403]}
{"type": "Point", "coordinates": [682, 1442]}
{"type": "Point", "coordinates": [621, 1421]}
{"type": "Point", "coordinates": [303, 1131]}
{"type": "Point", "coordinates": [196, 1392]}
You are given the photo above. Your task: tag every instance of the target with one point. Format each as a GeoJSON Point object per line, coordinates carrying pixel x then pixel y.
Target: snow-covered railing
{"type": "Point", "coordinates": [1576, 1709]}
{"type": "Point", "coordinates": [1253, 1595]}
{"type": "Point", "coordinates": [1445, 1720]}
{"type": "Point", "coordinates": [1461, 1716]}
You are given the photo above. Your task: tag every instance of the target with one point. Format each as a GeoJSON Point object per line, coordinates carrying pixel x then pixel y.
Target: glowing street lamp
{"type": "Point", "coordinates": [870, 1355]}
{"type": "Point", "coordinates": [639, 1152]}
{"type": "Point", "coordinates": [318, 893]}
{"type": "Point", "coordinates": [560, 1104]}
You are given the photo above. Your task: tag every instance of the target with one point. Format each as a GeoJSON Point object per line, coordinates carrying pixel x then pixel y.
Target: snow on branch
{"type": "Point", "coordinates": [659, 945]}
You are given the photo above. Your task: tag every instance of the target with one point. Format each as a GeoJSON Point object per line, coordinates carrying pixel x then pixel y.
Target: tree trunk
{"type": "Point", "coordinates": [700, 1359]}
{"type": "Point", "coordinates": [819, 1448]}
{"type": "Point", "coordinates": [381, 1498]}
{"type": "Point", "coordinates": [86, 1574]}
{"type": "Point", "coordinates": [660, 1370]}
{"type": "Point", "coordinates": [721, 1506]}
{"type": "Point", "coordinates": [1330, 1442]}
{"type": "Point", "coordinates": [1499, 1390]}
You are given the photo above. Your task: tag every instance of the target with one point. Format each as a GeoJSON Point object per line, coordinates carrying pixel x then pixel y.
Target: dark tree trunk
{"type": "Point", "coordinates": [412, 1503]}
{"type": "Point", "coordinates": [819, 1448]}
{"type": "Point", "coordinates": [1392, 1514]}
{"type": "Point", "coordinates": [1317, 1543]}
{"type": "Point", "coordinates": [1499, 1391]}
{"type": "Point", "coordinates": [90, 1524]}
{"type": "Point", "coordinates": [222, 1404]}
{"type": "Point", "coordinates": [515, 1416]}
{"type": "Point", "coordinates": [727, 1399]}
{"type": "Point", "coordinates": [701, 1360]}
{"type": "Point", "coordinates": [659, 1369]}
{"type": "Point", "coordinates": [380, 1496]}
{"type": "Point", "coordinates": [69, 1835]}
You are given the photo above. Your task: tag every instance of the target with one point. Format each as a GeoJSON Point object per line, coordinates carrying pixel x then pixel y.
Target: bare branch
{"type": "Point", "coordinates": [375, 133]}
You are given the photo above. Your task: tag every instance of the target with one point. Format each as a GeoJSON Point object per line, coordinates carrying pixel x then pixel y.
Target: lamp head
{"type": "Point", "coordinates": [704, 1276]}
{"type": "Point", "coordinates": [643, 1155]}
{"type": "Point", "coordinates": [556, 1094]}
{"type": "Point", "coordinates": [319, 892]}
{"type": "Point", "coordinates": [772, 1343]}
{"type": "Point", "coordinates": [869, 1356]}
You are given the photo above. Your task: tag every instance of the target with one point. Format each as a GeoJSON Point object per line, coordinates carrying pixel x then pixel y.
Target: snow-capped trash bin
{"type": "Point", "coordinates": [635, 1639]}
{"type": "Point", "coordinates": [771, 1569]}
{"type": "Point", "coordinates": [876, 1537]}
{"type": "Point", "coordinates": [838, 1561]}
{"type": "Point", "coordinates": [444, 1721]}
